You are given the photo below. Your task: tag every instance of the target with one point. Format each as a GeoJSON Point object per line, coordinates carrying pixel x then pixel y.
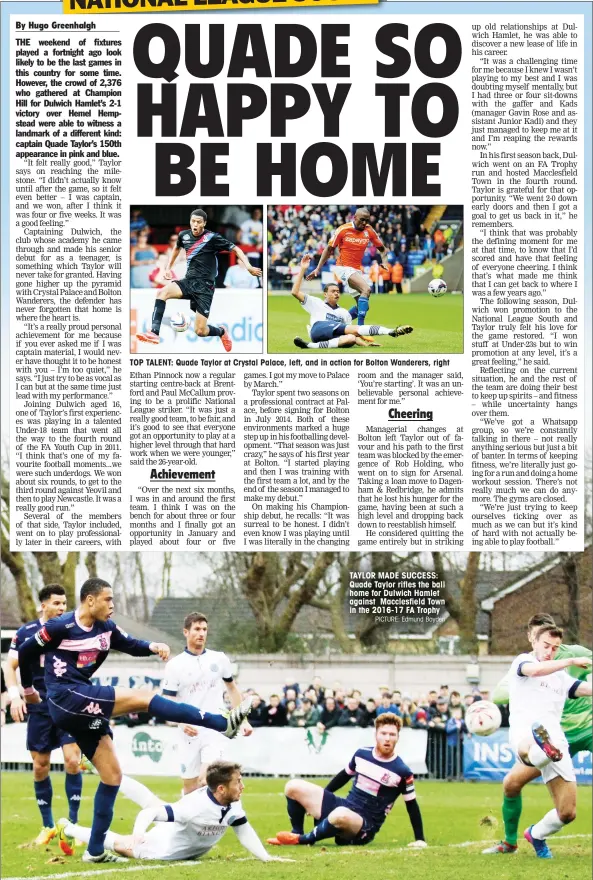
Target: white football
{"type": "Point", "coordinates": [179, 322]}
{"type": "Point", "coordinates": [437, 287]}
{"type": "Point", "coordinates": [483, 718]}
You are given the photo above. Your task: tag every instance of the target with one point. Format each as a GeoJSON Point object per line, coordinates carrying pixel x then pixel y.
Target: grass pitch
{"type": "Point", "coordinates": [437, 323]}
{"type": "Point", "coordinates": [460, 819]}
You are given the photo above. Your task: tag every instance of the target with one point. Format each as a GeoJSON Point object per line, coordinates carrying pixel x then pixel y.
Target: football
{"type": "Point", "coordinates": [437, 287]}
{"type": "Point", "coordinates": [179, 322]}
{"type": "Point", "coordinates": [483, 718]}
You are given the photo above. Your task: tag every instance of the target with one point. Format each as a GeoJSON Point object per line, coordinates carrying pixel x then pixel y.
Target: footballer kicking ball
{"type": "Point", "coordinates": [483, 718]}
{"type": "Point", "coordinates": [437, 287]}
{"type": "Point", "coordinates": [179, 322]}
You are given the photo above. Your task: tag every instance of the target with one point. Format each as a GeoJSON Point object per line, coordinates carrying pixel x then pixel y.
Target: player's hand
{"type": "Point", "coordinates": [189, 730]}
{"type": "Point", "coordinates": [163, 651]}
{"type": "Point", "coordinates": [255, 271]}
{"type": "Point", "coordinates": [417, 844]}
{"type": "Point", "coordinates": [32, 699]}
{"type": "Point", "coordinates": [306, 261]}
{"type": "Point", "coordinates": [581, 662]}
{"type": "Point", "coordinates": [18, 710]}
{"type": "Point", "coordinates": [311, 275]}
{"type": "Point", "coordinates": [246, 729]}
{"type": "Point", "coordinates": [168, 274]}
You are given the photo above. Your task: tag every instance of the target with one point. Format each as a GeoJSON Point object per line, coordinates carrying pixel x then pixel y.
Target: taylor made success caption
{"type": "Point", "coordinates": [397, 596]}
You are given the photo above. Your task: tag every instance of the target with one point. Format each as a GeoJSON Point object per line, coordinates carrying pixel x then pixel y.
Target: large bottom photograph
{"type": "Point", "coordinates": [334, 710]}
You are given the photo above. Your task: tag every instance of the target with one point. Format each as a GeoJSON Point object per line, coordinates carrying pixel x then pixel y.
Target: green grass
{"type": "Point", "coordinates": [437, 323]}
{"type": "Point", "coordinates": [452, 813]}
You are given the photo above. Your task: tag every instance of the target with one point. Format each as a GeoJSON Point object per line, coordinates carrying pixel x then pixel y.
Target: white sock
{"type": "Point", "coordinates": [331, 343]}
{"type": "Point", "coordinates": [138, 793]}
{"type": "Point", "coordinates": [80, 832]}
{"type": "Point", "coordinates": [537, 757]}
{"type": "Point", "coordinates": [550, 824]}
{"type": "Point", "coordinates": [374, 330]}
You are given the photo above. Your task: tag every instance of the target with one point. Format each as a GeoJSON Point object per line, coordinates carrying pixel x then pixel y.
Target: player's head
{"type": "Point", "coordinates": [546, 641]}
{"type": "Point", "coordinates": [52, 599]}
{"type": "Point", "coordinates": [387, 728]}
{"type": "Point", "coordinates": [536, 621]}
{"type": "Point", "coordinates": [223, 779]}
{"type": "Point", "coordinates": [361, 218]}
{"type": "Point", "coordinates": [332, 294]}
{"type": "Point", "coordinates": [97, 597]}
{"type": "Point", "coordinates": [197, 221]}
{"type": "Point", "coordinates": [195, 630]}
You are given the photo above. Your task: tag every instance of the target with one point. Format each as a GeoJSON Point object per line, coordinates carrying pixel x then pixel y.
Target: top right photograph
{"type": "Point", "coordinates": [387, 278]}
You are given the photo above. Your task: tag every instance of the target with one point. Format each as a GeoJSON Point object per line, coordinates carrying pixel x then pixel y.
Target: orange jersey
{"type": "Point", "coordinates": [352, 244]}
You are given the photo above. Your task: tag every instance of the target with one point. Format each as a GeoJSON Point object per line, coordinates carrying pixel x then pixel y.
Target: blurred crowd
{"type": "Point", "coordinates": [294, 230]}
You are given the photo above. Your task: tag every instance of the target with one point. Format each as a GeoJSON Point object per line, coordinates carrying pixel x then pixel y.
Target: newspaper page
{"type": "Point", "coordinates": [296, 303]}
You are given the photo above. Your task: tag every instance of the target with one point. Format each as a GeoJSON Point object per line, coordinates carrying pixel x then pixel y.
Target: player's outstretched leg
{"type": "Point", "coordinates": [564, 795]}
{"type": "Point", "coordinates": [67, 831]}
{"type": "Point", "coordinates": [227, 724]}
{"type": "Point", "coordinates": [542, 738]}
{"type": "Point", "coordinates": [512, 805]}
{"type": "Point", "coordinates": [203, 328]}
{"type": "Point", "coordinates": [170, 291]}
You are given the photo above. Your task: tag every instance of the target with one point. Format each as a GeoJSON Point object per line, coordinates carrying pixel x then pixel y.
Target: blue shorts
{"type": "Point", "coordinates": [84, 711]}
{"type": "Point", "coordinates": [42, 734]}
{"type": "Point", "coordinates": [369, 826]}
{"type": "Point", "coordinates": [323, 331]}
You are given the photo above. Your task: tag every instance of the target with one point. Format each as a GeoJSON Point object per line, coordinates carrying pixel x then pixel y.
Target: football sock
{"type": "Point", "coordinates": [138, 793]}
{"type": "Point", "coordinates": [215, 331]}
{"type": "Point", "coordinates": [550, 824]}
{"type": "Point", "coordinates": [331, 343]}
{"type": "Point", "coordinates": [296, 813]}
{"type": "Point", "coordinates": [102, 817]}
{"type": "Point", "coordinates": [80, 832]}
{"type": "Point", "coordinates": [374, 330]}
{"type": "Point", "coordinates": [363, 307]}
{"type": "Point", "coordinates": [168, 710]}
{"type": "Point", "coordinates": [157, 315]}
{"type": "Point", "coordinates": [354, 311]}
{"type": "Point", "coordinates": [537, 757]}
{"type": "Point", "coordinates": [43, 795]}
{"type": "Point", "coordinates": [511, 814]}
{"type": "Point", "coordinates": [73, 794]}
{"type": "Point", "coordinates": [321, 831]}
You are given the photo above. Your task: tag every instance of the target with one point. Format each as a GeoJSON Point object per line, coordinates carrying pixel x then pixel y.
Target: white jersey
{"type": "Point", "coordinates": [537, 698]}
{"type": "Point", "coordinates": [198, 679]}
{"type": "Point", "coordinates": [196, 824]}
{"type": "Point", "coordinates": [321, 311]}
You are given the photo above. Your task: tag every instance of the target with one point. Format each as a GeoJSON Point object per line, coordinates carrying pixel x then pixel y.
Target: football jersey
{"type": "Point", "coordinates": [322, 311]}
{"type": "Point", "coordinates": [201, 251]}
{"type": "Point", "coordinates": [196, 823]}
{"type": "Point", "coordinates": [537, 698]}
{"type": "Point", "coordinates": [74, 652]}
{"type": "Point", "coordinates": [377, 784]}
{"type": "Point", "coordinates": [198, 679]}
{"type": "Point", "coordinates": [22, 634]}
{"type": "Point", "coordinates": [352, 244]}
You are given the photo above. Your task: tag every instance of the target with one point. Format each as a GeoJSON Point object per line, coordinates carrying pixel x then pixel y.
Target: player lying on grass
{"type": "Point", "coordinates": [576, 723]}
{"type": "Point", "coordinates": [331, 326]}
{"type": "Point", "coordinates": [75, 645]}
{"type": "Point", "coordinates": [538, 689]}
{"type": "Point", "coordinates": [379, 777]}
{"type": "Point", "coordinates": [352, 239]}
{"type": "Point", "coordinates": [186, 829]}
{"type": "Point", "coordinates": [42, 734]}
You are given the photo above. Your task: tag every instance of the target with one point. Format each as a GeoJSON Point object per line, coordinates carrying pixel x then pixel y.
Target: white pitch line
{"type": "Point", "coordinates": [343, 850]}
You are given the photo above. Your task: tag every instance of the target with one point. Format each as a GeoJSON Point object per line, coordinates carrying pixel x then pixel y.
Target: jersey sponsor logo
{"type": "Point", "coordinates": [59, 667]}
{"type": "Point", "coordinates": [93, 708]}
{"type": "Point", "coordinates": [69, 625]}
{"type": "Point", "coordinates": [86, 658]}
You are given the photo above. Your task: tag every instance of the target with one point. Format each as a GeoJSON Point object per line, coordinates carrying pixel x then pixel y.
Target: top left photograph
{"type": "Point", "coordinates": [196, 279]}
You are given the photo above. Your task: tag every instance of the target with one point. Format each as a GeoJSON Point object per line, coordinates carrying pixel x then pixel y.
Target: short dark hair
{"type": "Point", "coordinates": [92, 587]}
{"type": "Point", "coordinates": [51, 590]}
{"type": "Point", "coordinates": [199, 213]}
{"type": "Point", "coordinates": [551, 629]}
{"type": "Point", "coordinates": [220, 773]}
{"type": "Point", "coordinates": [540, 620]}
{"type": "Point", "coordinates": [331, 284]}
{"type": "Point", "coordinates": [194, 617]}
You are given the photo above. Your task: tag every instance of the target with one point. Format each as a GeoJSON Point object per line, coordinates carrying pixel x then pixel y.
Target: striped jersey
{"type": "Point", "coordinates": [377, 784]}
{"type": "Point", "coordinates": [201, 251]}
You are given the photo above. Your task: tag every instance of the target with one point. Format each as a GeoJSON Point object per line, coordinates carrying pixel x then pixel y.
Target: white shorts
{"type": "Point", "coordinates": [344, 273]}
{"type": "Point", "coordinates": [563, 768]}
{"type": "Point", "coordinates": [163, 843]}
{"type": "Point", "coordinates": [193, 751]}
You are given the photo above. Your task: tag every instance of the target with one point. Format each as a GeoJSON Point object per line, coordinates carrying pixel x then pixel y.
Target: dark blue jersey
{"type": "Point", "coordinates": [22, 634]}
{"type": "Point", "coordinates": [73, 652]}
{"type": "Point", "coordinates": [377, 784]}
{"type": "Point", "coordinates": [201, 251]}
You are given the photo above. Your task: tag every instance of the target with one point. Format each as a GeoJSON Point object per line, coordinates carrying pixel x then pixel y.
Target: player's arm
{"type": "Point", "coordinates": [580, 689]}
{"type": "Point", "coordinates": [45, 639]}
{"type": "Point", "coordinates": [244, 261]}
{"type": "Point", "coordinates": [145, 818]}
{"type": "Point", "coordinates": [296, 287]}
{"type": "Point", "coordinates": [344, 776]}
{"type": "Point", "coordinates": [18, 707]}
{"type": "Point", "coordinates": [121, 641]}
{"type": "Point", "coordinates": [327, 253]}
{"type": "Point", "coordinates": [408, 792]}
{"type": "Point", "coordinates": [548, 667]}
